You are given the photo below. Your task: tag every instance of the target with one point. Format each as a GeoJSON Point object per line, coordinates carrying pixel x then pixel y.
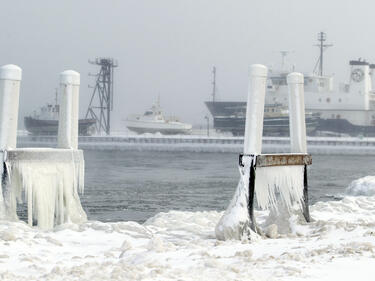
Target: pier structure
{"type": "Point", "coordinates": [48, 180]}
{"type": "Point", "coordinates": [274, 180]}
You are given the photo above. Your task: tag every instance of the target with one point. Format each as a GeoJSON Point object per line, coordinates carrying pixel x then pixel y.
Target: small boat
{"type": "Point", "coordinates": [153, 121]}
{"type": "Point", "coordinates": [46, 122]}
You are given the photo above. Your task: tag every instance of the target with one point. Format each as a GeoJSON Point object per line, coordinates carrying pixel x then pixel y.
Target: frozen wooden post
{"type": "Point", "coordinates": [269, 177]}
{"type": "Point", "coordinates": [69, 107]}
{"type": "Point", "coordinates": [254, 125]}
{"type": "Point", "coordinates": [253, 137]}
{"type": "Point", "coordinates": [10, 80]}
{"type": "Point", "coordinates": [297, 127]}
{"type": "Point", "coordinates": [50, 178]}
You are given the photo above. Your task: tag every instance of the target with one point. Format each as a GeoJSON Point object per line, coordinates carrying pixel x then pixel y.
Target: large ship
{"type": "Point", "coordinates": [349, 110]}
{"type": "Point", "coordinates": [46, 121]}
{"type": "Point", "coordinates": [153, 121]}
{"type": "Point", "coordinates": [231, 117]}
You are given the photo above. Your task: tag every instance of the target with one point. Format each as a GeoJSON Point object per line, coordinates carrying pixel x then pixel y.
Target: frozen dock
{"type": "Point", "coordinates": [316, 145]}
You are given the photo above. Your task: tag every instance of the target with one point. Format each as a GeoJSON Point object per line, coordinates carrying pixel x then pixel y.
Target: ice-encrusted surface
{"type": "Point", "coordinates": [362, 187]}
{"type": "Point", "coordinates": [338, 245]}
{"type": "Point", "coordinates": [50, 188]}
{"type": "Point", "coordinates": [286, 181]}
{"type": "Point", "coordinates": [278, 189]}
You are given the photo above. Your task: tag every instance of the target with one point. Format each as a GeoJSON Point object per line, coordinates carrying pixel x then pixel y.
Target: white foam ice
{"type": "Point", "coordinates": [182, 246]}
{"type": "Point", "coordinates": [362, 187]}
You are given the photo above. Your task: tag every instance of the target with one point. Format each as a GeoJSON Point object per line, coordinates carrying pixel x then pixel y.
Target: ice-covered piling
{"type": "Point", "coordinates": [10, 80]}
{"type": "Point", "coordinates": [48, 180]}
{"type": "Point", "coordinates": [236, 222]}
{"type": "Point", "coordinates": [69, 107]}
{"type": "Point", "coordinates": [275, 180]}
{"type": "Point", "coordinates": [255, 109]}
{"type": "Point", "coordinates": [297, 124]}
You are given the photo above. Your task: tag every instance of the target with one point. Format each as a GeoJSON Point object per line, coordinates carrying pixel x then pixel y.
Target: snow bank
{"type": "Point", "coordinates": [362, 187]}
{"type": "Point", "coordinates": [182, 246]}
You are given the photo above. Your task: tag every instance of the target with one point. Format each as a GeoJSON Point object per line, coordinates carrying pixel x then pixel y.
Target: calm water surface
{"type": "Point", "coordinates": [135, 185]}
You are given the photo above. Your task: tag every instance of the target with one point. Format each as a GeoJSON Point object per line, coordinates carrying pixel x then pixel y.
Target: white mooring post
{"type": "Point", "coordinates": [274, 180]}
{"type": "Point", "coordinates": [50, 179]}
{"type": "Point", "coordinates": [255, 109]}
{"type": "Point", "coordinates": [69, 107]}
{"type": "Point", "coordinates": [10, 80]}
{"type": "Point", "coordinates": [297, 123]}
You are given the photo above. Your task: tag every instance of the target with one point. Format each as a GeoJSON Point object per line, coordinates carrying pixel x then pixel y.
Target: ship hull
{"type": "Point", "coordinates": [230, 117]}
{"type": "Point", "coordinates": [172, 128]}
{"type": "Point", "coordinates": [34, 126]}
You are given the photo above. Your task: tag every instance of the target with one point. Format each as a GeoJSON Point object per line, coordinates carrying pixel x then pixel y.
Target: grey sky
{"type": "Point", "coordinates": [170, 46]}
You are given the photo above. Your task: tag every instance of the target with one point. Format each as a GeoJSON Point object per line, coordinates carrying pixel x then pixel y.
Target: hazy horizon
{"type": "Point", "coordinates": [169, 47]}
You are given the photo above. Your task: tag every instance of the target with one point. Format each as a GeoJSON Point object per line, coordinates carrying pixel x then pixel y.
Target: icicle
{"type": "Point", "coordinates": [49, 187]}
{"type": "Point", "coordinates": [287, 181]}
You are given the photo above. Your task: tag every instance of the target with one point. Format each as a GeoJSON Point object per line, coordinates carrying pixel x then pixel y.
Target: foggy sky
{"type": "Point", "coordinates": [168, 47]}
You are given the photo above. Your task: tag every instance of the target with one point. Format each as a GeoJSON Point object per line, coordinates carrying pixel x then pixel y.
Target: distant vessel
{"type": "Point", "coordinates": [348, 110]}
{"type": "Point", "coordinates": [46, 121]}
{"type": "Point", "coordinates": [153, 121]}
{"type": "Point", "coordinates": [231, 117]}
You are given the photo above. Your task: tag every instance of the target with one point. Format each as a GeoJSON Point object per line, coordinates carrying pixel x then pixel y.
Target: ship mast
{"type": "Point", "coordinates": [214, 84]}
{"type": "Point", "coordinates": [55, 96]}
{"type": "Point", "coordinates": [322, 37]}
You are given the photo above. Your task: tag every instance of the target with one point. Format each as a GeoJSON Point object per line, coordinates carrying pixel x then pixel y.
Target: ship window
{"type": "Point", "coordinates": [148, 113]}
{"type": "Point", "coordinates": [328, 100]}
{"type": "Point", "coordinates": [273, 110]}
{"type": "Point", "coordinates": [338, 116]}
{"type": "Point", "coordinates": [278, 80]}
{"type": "Point", "coordinates": [339, 100]}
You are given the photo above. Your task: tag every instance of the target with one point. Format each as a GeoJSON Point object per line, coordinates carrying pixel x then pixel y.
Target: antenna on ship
{"type": "Point", "coordinates": [101, 102]}
{"type": "Point", "coordinates": [322, 37]}
{"type": "Point", "coordinates": [214, 84]}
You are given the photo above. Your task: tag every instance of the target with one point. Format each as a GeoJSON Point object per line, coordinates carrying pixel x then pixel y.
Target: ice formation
{"type": "Point", "coordinates": [49, 184]}
{"type": "Point", "coordinates": [338, 245]}
{"type": "Point", "coordinates": [277, 189]}
{"type": "Point", "coordinates": [235, 223]}
{"type": "Point", "coordinates": [285, 181]}
{"type": "Point", "coordinates": [362, 187]}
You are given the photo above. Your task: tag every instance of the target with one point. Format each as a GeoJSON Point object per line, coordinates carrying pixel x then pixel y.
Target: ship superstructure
{"type": "Point", "coordinates": [349, 109]}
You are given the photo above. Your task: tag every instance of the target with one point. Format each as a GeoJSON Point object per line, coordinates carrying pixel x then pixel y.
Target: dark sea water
{"type": "Point", "coordinates": [135, 185]}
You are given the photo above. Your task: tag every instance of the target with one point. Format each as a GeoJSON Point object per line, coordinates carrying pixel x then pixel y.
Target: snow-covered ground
{"type": "Point", "coordinates": [338, 245]}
